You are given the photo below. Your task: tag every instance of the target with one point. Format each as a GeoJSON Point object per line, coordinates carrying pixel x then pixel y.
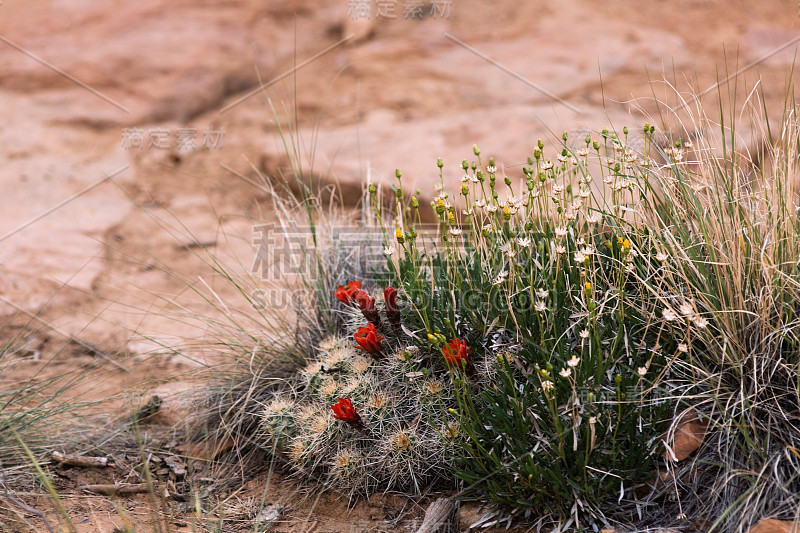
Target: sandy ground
{"type": "Point", "coordinates": [102, 239]}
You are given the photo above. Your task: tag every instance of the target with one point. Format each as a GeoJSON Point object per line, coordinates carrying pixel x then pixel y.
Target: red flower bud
{"type": "Point", "coordinates": [364, 301]}
{"type": "Point", "coordinates": [368, 340]}
{"type": "Point", "coordinates": [344, 411]}
{"type": "Point", "coordinates": [390, 295]}
{"type": "Point", "coordinates": [392, 311]}
{"type": "Point", "coordinates": [345, 293]}
{"type": "Point", "coordinates": [367, 305]}
{"type": "Point", "coordinates": [456, 353]}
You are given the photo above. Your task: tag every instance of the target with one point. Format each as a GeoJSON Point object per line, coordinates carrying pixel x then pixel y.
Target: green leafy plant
{"type": "Point", "coordinates": [556, 293]}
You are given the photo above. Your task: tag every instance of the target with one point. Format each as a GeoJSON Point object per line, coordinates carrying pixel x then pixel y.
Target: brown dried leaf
{"type": "Point", "coordinates": [771, 525]}
{"type": "Point", "coordinates": [685, 435]}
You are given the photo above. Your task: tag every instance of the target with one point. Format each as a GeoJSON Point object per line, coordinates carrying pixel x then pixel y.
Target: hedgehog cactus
{"type": "Point", "coordinates": [398, 444]}
{"type": "Point", "coordinates": [366, 414]}
{"type": "Point", "coordinates": [279, 423]}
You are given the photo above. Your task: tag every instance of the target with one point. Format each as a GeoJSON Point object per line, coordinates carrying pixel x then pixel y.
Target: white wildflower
{"type": "Point", "coordinates": [508, 250]}
{"type": "Point", "coordinates": [500, 277]}
{"type": "Point", "coordinates": [442, 201]}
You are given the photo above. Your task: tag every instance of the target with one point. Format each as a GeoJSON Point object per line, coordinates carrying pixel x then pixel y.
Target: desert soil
{"type": "Point", "coordinates": [101, 238]}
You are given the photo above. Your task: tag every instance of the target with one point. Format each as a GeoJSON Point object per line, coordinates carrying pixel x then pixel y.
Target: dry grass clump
{"type": "Point", "coordinates": [733, 231]}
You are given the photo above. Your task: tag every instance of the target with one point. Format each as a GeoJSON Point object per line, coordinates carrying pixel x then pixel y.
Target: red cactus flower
{"type": "Point", "coordinates": [345, 293]}
{"type": "Point", "coordinates": [367, 305]}
{"type": "Point", "coordinates": [344, 411]}
{"type": "Point", "coordinates": [368, 340]}
{"type": "Point", "coordinates": [363, 300]}
{"type": "Point", "coordinates": [392, 311]}
{"type": "Point", "coordinates": [456, 353]}
{"type": "Point", "coordinates": [390, 295]}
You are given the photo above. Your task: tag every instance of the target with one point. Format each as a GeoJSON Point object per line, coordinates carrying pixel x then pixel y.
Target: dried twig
{"type": "Point", "coordinates": [78, 460]}
{"type": "Point", "coordinates": [437, 514]}
{"type": "Point", "coordinates": [122, 489]}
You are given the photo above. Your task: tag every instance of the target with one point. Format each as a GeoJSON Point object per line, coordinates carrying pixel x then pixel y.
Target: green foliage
{"type": "Point", "coordinates": [568, 417]}
{"type": "Point", "coordinates": [557, 293]}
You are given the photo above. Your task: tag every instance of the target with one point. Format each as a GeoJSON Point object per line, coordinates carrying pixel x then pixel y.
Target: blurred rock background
{"type": "Point", "coordinates": [83, 83]}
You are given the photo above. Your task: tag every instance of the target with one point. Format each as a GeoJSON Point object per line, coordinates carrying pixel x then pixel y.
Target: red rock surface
{"type": "Point", "coordinates": [399, 94]}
